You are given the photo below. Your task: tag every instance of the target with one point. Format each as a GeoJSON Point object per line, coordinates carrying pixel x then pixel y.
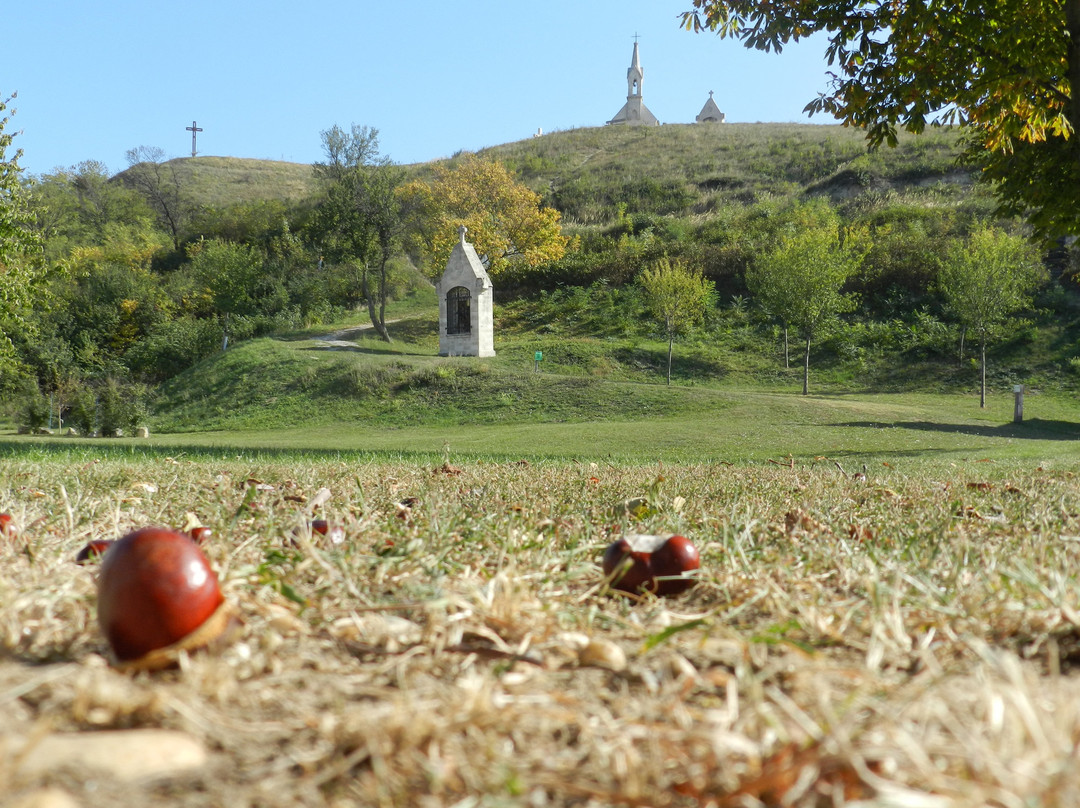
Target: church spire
{"type": "Point", "coordinates": [634, 110]}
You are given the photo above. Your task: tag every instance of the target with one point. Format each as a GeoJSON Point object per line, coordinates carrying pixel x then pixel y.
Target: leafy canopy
{"type": "Point", "coordinates": [1005, 70]}
{"type": "Point", "coordinates": [676, 295]}
{"type": "Point", "coordinates": [21, 270]}
{"type": "Point", "coordinates": [504, 218]}
{"type": "Point", "coordinates": [988, 279]}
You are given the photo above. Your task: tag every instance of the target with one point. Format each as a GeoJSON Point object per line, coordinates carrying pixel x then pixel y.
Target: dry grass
{"type": "Point", "coordinates": [901, 641]}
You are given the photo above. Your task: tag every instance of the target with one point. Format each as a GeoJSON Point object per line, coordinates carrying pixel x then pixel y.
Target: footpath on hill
{"type": "Point", "coordinates": [346, 337]}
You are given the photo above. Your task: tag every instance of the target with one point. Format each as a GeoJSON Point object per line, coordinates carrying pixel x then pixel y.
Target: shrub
{"type": "Point", "coordinates": [122, 405]}
{"type": "Point", "coordinates": [35, 407]}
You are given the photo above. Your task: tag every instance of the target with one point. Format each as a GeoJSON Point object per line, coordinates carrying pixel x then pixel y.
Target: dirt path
{"type": "Point", "coordinates": [346, 337]}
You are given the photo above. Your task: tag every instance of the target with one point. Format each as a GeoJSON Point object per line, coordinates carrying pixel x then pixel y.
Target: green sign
{"type": "Point", "coordinates": [539, 355]}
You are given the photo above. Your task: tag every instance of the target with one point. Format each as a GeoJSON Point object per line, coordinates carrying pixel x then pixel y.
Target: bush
{"type": "Point", "coordinates": [35, 410]}
{"type": "Point", "coordinates": [82, 410]}
{"type": "Point", "coordinates": [122, 405]}
{"type": "Point", "coordinates": [172, 347]}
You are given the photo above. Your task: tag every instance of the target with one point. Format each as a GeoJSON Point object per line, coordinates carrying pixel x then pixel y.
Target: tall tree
{"type": "Point", "coordinates": [677, 297]}
{"type": "Point", "coordinates": [359, 221]}
{"type": "Point", "coordinates": [505, 219]}
{"type": "Point", "coordinates": [1008, 71]}
{"type": "Point", "coordinates": [161, 183]}
{"type": "Point", "coordinates": [801, 282]}
{"type": "Point", "coordinates": [987, 280]}
{"type": "Point", "coordinates": [21, 269]}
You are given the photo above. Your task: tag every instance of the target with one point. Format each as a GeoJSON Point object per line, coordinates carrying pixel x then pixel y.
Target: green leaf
{"type": "Point", "coordinates": [654, 640]}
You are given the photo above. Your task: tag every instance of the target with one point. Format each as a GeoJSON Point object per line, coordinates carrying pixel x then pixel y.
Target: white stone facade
{"type": "Point", "coordinates": [634, 111]}
{"type": "Point", "coordinates": [466, 304]}
{"type": "Point", "coordinates": [710, 113]}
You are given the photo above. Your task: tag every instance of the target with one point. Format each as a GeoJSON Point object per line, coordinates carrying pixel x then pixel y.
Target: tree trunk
{"type": "Point", "coordinates": [670, 342]}
{"type": "Point", "coordinates": [378, 318]}
{"type": "Point", "coordinates": [787, 361]}
{"type": "Point", "coordinates": [806, 369]}
{"type": "Point", "coordinates": [982, 374]}
{"type": "Point", "coordinates": [963, 334]}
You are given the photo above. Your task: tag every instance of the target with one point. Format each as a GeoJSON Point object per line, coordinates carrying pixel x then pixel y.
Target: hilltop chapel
{"type": "Point", "coordinates": [634, 111]}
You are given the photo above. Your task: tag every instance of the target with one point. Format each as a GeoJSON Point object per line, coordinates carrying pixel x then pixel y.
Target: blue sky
{"type": "Point", "coordinates": [264, 79]}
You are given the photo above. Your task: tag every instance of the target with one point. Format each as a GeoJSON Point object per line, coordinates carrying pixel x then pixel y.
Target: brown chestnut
{"type": "Point", "coordinates": [640, 563]}
{"type": "Point", "coordinates": [93, 551]}
{"type": "Point", "coordinates": [672, 562]}
{"type": "Point", "coordinates": [335, 533]}
{"type": "Point", "coordinates": [7, 526]}
{"type": "Point", "coordinates": [200, 534]}
{"type": "Point", "coordinates": [158, 596]}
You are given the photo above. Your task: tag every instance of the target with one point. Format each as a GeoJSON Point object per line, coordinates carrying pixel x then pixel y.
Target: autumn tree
{"type": "Point", "coordinates": [677, 297]}
{"type": "Point", "coordinates": [801, 282]}
{"type": "Point", "coordinates": [21, 269]}
{"type": "Point", "coordinates": [985, 281]}
{"type": "Point", "coordinates": [360, 220]}
{"type": "Point", "coordinates": [505, 219]}
{"type": "Point", "coordinates": [1008, 72]}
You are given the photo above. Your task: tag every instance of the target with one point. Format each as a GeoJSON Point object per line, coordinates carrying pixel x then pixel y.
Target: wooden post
{"type": "Point", "coordinates": [1018, 405]}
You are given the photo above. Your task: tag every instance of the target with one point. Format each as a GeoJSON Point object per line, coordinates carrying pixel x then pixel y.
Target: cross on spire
{"type": "Point", "coordinates": [194, 129]}
{"type": "Point", "coordinates": [636, 37]}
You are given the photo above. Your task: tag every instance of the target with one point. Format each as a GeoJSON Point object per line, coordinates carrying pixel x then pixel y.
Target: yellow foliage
{"type": "Point", "coordinates": [504, 218]}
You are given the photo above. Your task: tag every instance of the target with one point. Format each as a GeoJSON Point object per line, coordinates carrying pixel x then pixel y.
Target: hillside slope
{"type": "Point", "coordinates": [680, 169]}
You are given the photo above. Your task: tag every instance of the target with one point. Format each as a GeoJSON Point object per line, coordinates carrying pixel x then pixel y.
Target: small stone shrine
{"type": "Point", "coordinates": [710, 113]}
{"type": "Point", "coordinates": [465, 293]}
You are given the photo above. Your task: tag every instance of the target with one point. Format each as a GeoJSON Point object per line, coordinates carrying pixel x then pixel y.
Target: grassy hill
{"type": "Point", "coordinates": [218, 182]}
{"type": "Point", "coordinates": [675, 169]}
{"type": "Point", "coordinates": [692, 169]}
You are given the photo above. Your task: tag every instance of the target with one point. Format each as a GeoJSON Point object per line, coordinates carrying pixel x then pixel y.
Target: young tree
{"type": "Point", "coordinates": [360, 220]}
{"type": "Point", "coordinates": [1008, 71]}
{"type": "Point", "coordinates": [504, 217]}
{"type": "Point", "coordinates": [677, 297]}
{"type": "Point", "coordinates": [21, 269]}
{"type": "Point", "coordinates": [987, 280]}
{"type": "Point", "coordinates": [801, 282]}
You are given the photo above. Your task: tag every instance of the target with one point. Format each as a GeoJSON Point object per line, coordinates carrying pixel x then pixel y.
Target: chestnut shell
{"type": "Point", "coordinates": [651, 564]}
{"type": "Point", "coordinates": [93, 551]}
{"type": "Point", "coordinates": [155, 590]}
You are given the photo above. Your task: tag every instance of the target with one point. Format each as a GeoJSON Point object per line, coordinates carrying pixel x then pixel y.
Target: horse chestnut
{"type": "Point", "coordinates": [335, 533]}
{"type": "Point", "coordinates": [645, 563]}
{"type": "Point", "coordinates": [93, 551]}
{"type": "Point", "coordinates": [157, 596]}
